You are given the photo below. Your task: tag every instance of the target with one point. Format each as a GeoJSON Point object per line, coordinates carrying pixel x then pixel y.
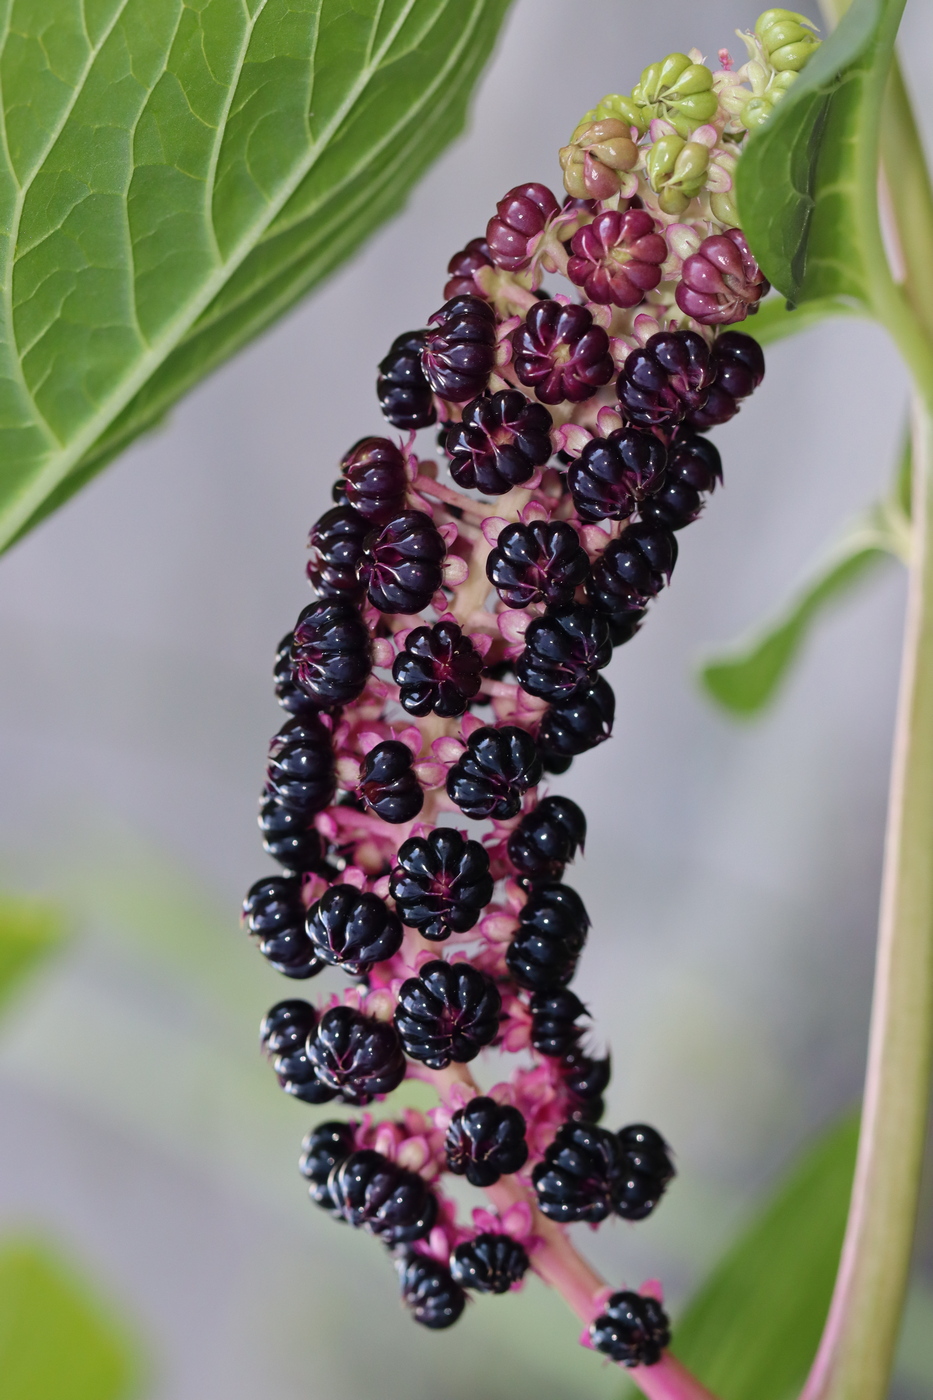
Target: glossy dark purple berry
{"type": "Point", "coordinates": [288, 837]}
{"type": "Point", "coordinates": [353, 929]}
{"type": "Point", "coordinates": [395, 1205]}
{"type": "Point", "coordinates": [429, 1291]}
{"type": "Point", "coordinates": [439, 670]}
{"type": "Point", "coordinates": [612, 474]}
{"type": "Point", "coordinates": [550, 937]}
{"type": "Point", "coordinates": [463, 267]}
{"type": "Point", "coordinates": [586, 1079]}
{"type": "Point", "coordinates": [460, 348]}
{"type": "Point", "coordinates": [543, 562]}
{"type": "Point", "coordinates": [389, 784]}
{"type": "Point", "coordinates": [738, 368]}
{"type": "Point", "coordinates": [331, 653]}
{"type": "Point", "coordinates": [633, 1330]}
{"type": "Point", "coordinates": [500, 441]}
{"type": "Point", "coordinates": [497, 769]}
{"type": "Point", "coordinates": [356, 1056]}
{"type": "Point", "coordinates": [576, 727]}
{"type": "Point", "coordinates": [693, 469]}
{"type": "Point", "coordinates": [666, 379]}
{"type": "Point", "coordinates": [275, 916]}
{"type": "Point", "coordinates": [300, 772]}
{"type": "Point", "coordinates": [375, 479]}
{"type": "Point", "coordinates": [289, 695]}
{"type": "Point", "coordinates": [645, 1171]}
{"type": "Point", "coordinates": [546, 839]}
{"type": "Point", "coordinates": [283, 1036]}
{"type": "Point", "coordinates": [448, 1012]}
{"type": "Point", "coordinates": [564, 652]}
{"type": "Point", "coordinates": [629, 573]}
{"type": "Point", "coordinates": [486, 1140]}
{"type": "Point", "coordinates": [489, 1263]}
{"type": "Point", "coordinates": [405, 396]}
{"type": "Point", "coordinates": [520, 217]}
{"type": "Point", "coordinates": [441, 883]}
{"type": "Point", "coordinates": [401, 567]}
{"type": "Point", "coordinates": [579, 1175]}
{"type": "Point", "coordinates": [561, 353]}
{"type": "Point", "coordinates": [336, 545]}
{"type": "Point", "coordinates": [324, 1148]}
{"type": "Point", "coordinates": [554, 1017]}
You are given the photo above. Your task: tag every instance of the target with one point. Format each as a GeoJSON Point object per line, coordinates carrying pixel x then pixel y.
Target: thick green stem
{"type": "Point", "coordinates": [856, 1353]}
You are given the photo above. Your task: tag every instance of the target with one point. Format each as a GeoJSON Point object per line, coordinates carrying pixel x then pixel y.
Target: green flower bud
{"type": "Point", "coordinates": [758, 109]}
{"type": "Point", "coordinates": [677, 171]}
{"type": "Point", "coordinates": [787, 38]}
{"type": "Point", "coordinates": [678, 90]}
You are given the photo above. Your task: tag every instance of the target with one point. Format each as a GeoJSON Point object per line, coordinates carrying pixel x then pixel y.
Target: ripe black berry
{"type": "Point", "coordinates": [353, 929]}
{"type": "Point", "coordinates": [489, 1263]}
{"type": "Point", "coordinates": [275, 916]}
{"type": "Point", "coordinates": [547, 837]}
{"type": "Point", "coordinates": [428, 1289]}
{"type": "Point", "coordinates": [612, 473]}
{"type": "Point", "coordinates": [287, 836]}
{"type": "Point", "coordinates": [448, 1012]}
{"type": "Point", "coordinates": [499, 442]}
{"type": "Point", "coordinates": [460, 349]}
{"type": "Point", "coordinates": [324, 1148]}
{"type": "Point", "coordinates": [389, 784]}
{"type": "Point", "coordinates": [331, 655]}
{"type": "Point", "coordinates": [576, 727]}
{"type": "Point", "coordinates": [337, 551]}
{"type": "Point", "coordinates": [375, 479]}
{"type": "Point", "coordinates": [667, 379]}
{"type": "Point", "coordinates": [551, 933]}
{"type": "Point", "coordinates": [395, 1205]}
{"type": "Point", "coordinates": [586, 1080]}
{"type": "Point", "coordinates": [520, 217]}
{"type": "Point", "coordinates": [561, 353]}
{"type": "Point", "coordinates": [578, 1177]}
{"type": "Point", "coordinates": [441, 883]}
{"type": "Point", "coordinates": [401, 567]}
{"type": "Point", "coordinates": [693, 469]}
{"type": "Point", "coordinates": [499, 765]}
{"type": "Point", "coordinates": [554, 1016]}
{"type": "Point", "coordinates": [631, 571]}
{"type": "Point", "coordinates": [564, 652]}
{"type": "Point", "coordinates": [463, 267]}
{"type": "Point", "coordinates": [356, 1056]}
{"type": "Point", "coordinates": [486, 1140]}
{"type": "Point", "coordinates": [300, 773]}
{"type": "Point", "coordinates": [646, 1170]}
{"type": "Point", "coordinates": [405, 395]}
{"type": "Point", "coordinates": [289, 695]}
{"type": "Point", "coordinates": [283, 1036]}
{"type": "Point", "coordinates": [439, 670]}
{"type": "Point", "coordinates": [738, 367]}
{"type": "Point", "coordinates": [633, 1330]}
{"type": "Point", "coordinates": [538, 563]}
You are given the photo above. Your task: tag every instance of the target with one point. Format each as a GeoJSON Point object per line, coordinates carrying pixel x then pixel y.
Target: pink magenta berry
{"type": "Point", "coordinates": [721, 282]}
{"type": "Point", "coordinates": [520, 217]}
{"type": "Point", "coordinates": [617, 258]}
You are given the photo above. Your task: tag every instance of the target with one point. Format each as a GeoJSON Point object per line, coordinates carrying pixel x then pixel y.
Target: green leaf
{"type": "Point", "coordinates": [57, 1339]}
{"type": "Point", "coordinates": [806, 182]}
{"type": "Point", "coordinates": [776, 320]}
{"type": "Point", "coordinates": [173, 176]}
{"type": "Point", "coordinates": [29, 932]}
{"type": "Point", "coordinates": [752, 1330]}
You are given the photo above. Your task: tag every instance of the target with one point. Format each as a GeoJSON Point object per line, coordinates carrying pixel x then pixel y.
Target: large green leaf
{"type": "Point", "coordinates": [173, 175]}
{"type": "Point", "coordinates": [29, 931]}
{"type": "Point", "coordinates": [806, 183]}
{"type": "Point", "coordinates": [57, 1339]}
{"type": "Point", "coordinates": [752, 1330]}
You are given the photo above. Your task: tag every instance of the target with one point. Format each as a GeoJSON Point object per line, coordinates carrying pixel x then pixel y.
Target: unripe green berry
{"type": "Point", "coordinates": [787, 38]}
{"type": "Point", "coordinates": [622, 108]}
{"type": "Point", "coordinates": [679, 90]}
{"type": "Point", "coordinates": [677, 171]}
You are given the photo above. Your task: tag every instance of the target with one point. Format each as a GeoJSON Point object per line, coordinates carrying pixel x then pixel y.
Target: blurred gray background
{"type": "Point", "coordinates": [732, 870]}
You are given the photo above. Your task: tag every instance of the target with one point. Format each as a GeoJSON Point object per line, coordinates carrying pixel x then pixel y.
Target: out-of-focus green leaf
{"type": "Point", "coordinates": [806, 182]}
{"type": "Point", "coordinates": [173, 176]}
{"type": "Point", "coordinates": [29, 931]}
{"type": "Point", "coordinates": [776, 320]}
{"type": "Point", "coordinates": [58, 1341]}
{"type": "Point", "coordinates": [752, 1330]}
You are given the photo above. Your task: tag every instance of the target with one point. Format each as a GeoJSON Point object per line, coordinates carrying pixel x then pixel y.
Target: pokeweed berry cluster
{"type": "Point", "coordinates": [453, 656]}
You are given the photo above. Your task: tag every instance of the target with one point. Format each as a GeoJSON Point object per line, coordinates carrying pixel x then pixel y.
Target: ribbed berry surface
{"type": "Point", "coordinates": [738, 368]}
{"type": "Point", "coordinates": [564, 652]}
{"type": "Point", "coordinates": [543, 562]}
{"type": "Point", "coordinates": [632, 570]}
{"type": "Point", "coordinates": [551, 933]}
{"type": "Point", "coordinates": [617, 258]}
{"type": "Point", "coordinates": [633, 1330]}
{"type": "Point", "coordinates": [486, 1140]}
{"type": "Point", "coordinates": [429, 1291]}
{"type": "Point", "coordinates": [401, 565]}
{"type": "Point", "coordinates": [561, 353]}
{"type": "Point", "coordinates": [356, 1056]}
{"type": "Point", "coordinates": [324, 1148]}
{"type": "Point", "coordinates": [441, 883]}
{"type": "Point", "coordinates": [520, 217]}
{"type": "Point", "coordinates": [375, 479]}
{"type": "Point", "coordinates": [576, 726]}
{"type": "Point", "coordinates": [353, 929]}
{"type": "Point", "coordinates": [667, 379]}
{"type": "Point", "coordinates": [586, 1079]}
{"type": "Point", "coordinates": [405, 396]}
{"type": "Point", "coordinates": [612, 474]}
{"type": "Point", "coordinates": [275, 916]}
{"type": "Point", "coordinates": [489, 1263]}
{"type": "Point", "coordinates": [395, 1205]}
{"type": "Point", "coordinates": [721, 282]}
{"type": "Point", "coordinates": [693, 470]}
{"type": "Point", "coordinates": [300, 772]}
{"type": "Point", "coordinates": [287, 835]}
{"type": "Point", "coordinates": [500, 441]}
{"type": "Point", "coordinates": [646, 1170]}
{"type": "Point", "coordinates": [389, 784]}
{"type": "Point", "coordinates": [448, 1012]}
{"type": "Point", "coordinates": [497, 769]}
{"type": "Point", "coordinates": [554, 1017]}
{"type": "Point", "coordinates": [463, 267]}
{"type": "Point", "coordinates": [289, 695]}
{"type": "Point", "coordinates": [283, 1036]}
{"type": "Point", "coordinates": [578, 1178]}
{"type": "Point", "coordinates": [546, 839]}
{"type": "Point", "coordinates": [460, 348]}
{"type": "Point", "coordinates": [439, 670]}
{"type": "Point", "coordinates": [331, 653]}
{"type": "Point", "coordinates": [336, 554]}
